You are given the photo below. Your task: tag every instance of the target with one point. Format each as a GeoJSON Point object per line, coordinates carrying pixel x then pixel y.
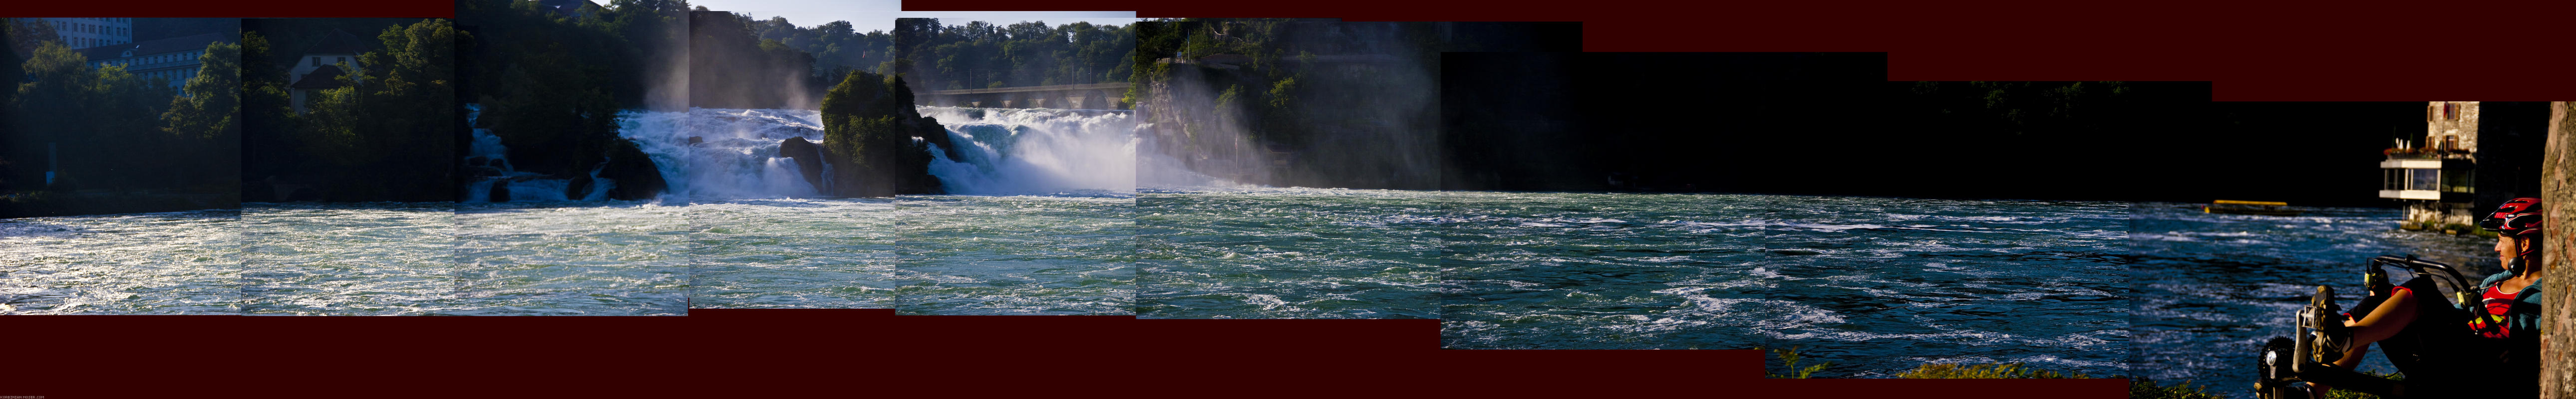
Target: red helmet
{"type": "Point", "coordinates": [2518, 217]}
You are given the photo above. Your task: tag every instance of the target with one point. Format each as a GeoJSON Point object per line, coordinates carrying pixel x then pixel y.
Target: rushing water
{"type": "Point", "coordinates": [823, 253]}
{"type": "Point", "coordinates": [990, 255]}
{"type": "Point", "coordinates": [1043, 218]}
{"type": "Point", "coordinates": [572, 259]}
{"type": "Point", "coordinates": [1035, 151]}
{"type": "Point", "coordinates": [142, 263]}
{"type": "Point", "coordinates": [1875, 285]}
{"type": "Point", "coordinates": [2213, 287]}
{"type": "Point", "coordinates": [1288, 253]}
{"type": "Point", "coordinates": [735, 153]}
{"type": "Point", "coordinates": [349, 259]}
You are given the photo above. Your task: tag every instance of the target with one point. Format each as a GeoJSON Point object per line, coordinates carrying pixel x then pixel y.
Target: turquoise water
{"type": "Point", "coordinates": [1875, 285]}
{"type": "Point", "coordinates": [362, 259]}
{"type": "Point", "coordinates": [1018, 255]}
{"type": "Point", "coordinates": [1288, 254]}
{"type": "Point", "coordinates": [786, 253]}
{"type": "Point", "coordinates": [572, 259]}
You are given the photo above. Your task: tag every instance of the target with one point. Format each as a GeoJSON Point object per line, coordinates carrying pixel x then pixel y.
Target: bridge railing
{"type": "Point", "coordinates": [1089, 86]}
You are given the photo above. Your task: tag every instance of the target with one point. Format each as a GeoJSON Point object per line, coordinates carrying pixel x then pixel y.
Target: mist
{"type": "Point", "coordinates": [729, 67]}
{"type": "Point", "coordinates": [1311, 103]}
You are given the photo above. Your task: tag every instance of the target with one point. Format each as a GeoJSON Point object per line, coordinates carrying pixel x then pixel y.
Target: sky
{"type": "Point", "coordinates": [876, 15]}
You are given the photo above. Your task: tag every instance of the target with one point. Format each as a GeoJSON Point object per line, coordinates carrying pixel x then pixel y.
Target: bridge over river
{"type": "Point", "coordinates": [1080, 96]}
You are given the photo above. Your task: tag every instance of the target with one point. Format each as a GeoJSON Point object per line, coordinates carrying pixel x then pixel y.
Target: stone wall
{"type": "Point", "coordinates": [2460, 121]}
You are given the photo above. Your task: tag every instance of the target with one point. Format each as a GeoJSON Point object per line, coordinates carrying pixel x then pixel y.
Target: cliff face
{"type": "Point", "coordinates": [1185, 121]}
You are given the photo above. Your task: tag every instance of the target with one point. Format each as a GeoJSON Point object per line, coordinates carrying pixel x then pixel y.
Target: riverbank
{"type": "Point", "coordinates": [103, 202]}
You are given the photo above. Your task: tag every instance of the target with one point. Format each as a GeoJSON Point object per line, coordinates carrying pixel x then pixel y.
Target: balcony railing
{"type": "Point", "coordinates": [2421, 153]}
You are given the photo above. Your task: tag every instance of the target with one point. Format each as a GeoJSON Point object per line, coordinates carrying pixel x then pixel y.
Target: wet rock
{"type": "Point", "coordinates": [636, 176]}
{"type": "Point", "coordinates": [809, 159]}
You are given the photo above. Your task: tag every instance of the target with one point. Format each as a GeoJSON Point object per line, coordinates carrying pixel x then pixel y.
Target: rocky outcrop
{"type": "Point", "coordinates": [636, 177]}
{"type": "Point", "coordinates": [500, 191]}
{"type": "Point", "coordinates": [869, 131]}
{"type": "Point", "coordinates": [809, 159]}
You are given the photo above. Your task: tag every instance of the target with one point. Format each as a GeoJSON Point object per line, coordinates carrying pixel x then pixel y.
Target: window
{"type": "Point", "coordinates": [2458, 182]}
{"type": "Point", "coordinates": [317, 61]}
{"type": "Point", "coordinates": [2424, 179]}
{"type": "Point", "coordinates": [2450, 142]}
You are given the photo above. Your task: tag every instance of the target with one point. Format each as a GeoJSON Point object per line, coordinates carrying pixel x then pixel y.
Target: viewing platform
{"type": "Point", "coordinates": [1074, 96]}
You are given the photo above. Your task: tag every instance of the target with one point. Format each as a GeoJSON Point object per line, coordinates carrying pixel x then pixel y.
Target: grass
{"type": "Point", "coordinates": [2147, 389]}
{"type": "Point", "coordinates": [1791, 358]}
{"type": "Point", "coordinates": [2142, 388]}
{"type": "Point", "coordinates": [2139, 388]}
{"type": "Point", "coordinates": [1986, 370]}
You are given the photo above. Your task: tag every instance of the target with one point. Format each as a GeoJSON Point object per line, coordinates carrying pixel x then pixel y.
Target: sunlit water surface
{"type": "Point", "coordinates": [573, 259]}
{"type": "Point", "coordinates": [143, 263]}
{"type": "Point", "coordinates": [349, 259]}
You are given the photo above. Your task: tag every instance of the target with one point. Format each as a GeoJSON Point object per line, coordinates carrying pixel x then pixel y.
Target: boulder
{"type": "Point", "coordinates": [636, 176]}
{"type": "Point", "coordinates": [580, 185]}
{"type": "Point", "coordinates": [809, 159]}
{"type": "Point", "coordinates": [500, 191]}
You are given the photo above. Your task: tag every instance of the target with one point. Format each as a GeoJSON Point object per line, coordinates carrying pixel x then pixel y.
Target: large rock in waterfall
{"type": "Point", "coordinates": [869, 131]}
{"type": "Point", "coordinates": [809, 159]}
{"type": "Point", "coordinates": [634, 175]}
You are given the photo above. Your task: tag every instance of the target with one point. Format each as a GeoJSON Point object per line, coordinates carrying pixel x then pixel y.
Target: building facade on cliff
{"type": "Point", "coordinates": [79, 33]}
{"type": "Point", "coordinates": [174, 60]}
{"type": "Point", "coordinates": [2472, 157]}
{"type": "Point", "coordinates": [321, 66]}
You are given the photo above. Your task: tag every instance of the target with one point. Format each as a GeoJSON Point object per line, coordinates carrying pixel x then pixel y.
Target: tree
{"type": "Point", "coordinates": [209, 110]}
{"type": "Point", "coordinates": [386, 133]}
{"type": "Point", "coordinates": [208, 119]}
{"type": "Point", "coordinates": [103, 119]}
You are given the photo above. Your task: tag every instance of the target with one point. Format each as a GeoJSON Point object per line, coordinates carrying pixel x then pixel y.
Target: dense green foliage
{"type": "Point", "coordinates": [383, 135]}
{"type": "Point", "coordinates": [869, 125]}
{"type": "Point", "coordinates": [623, 51]}
{"type": "Point", "coordinates": [837, 48]}
{"type": "Point", "coordinates": [127, 139]}
{"type": "Point", "coordinates": [980, 54]}
{"type": "Point", "coordinates": [10, 71]}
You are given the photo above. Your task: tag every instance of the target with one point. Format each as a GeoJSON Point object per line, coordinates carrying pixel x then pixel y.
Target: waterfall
{"type": "Point", "coordinates": [721, 154]}
{"type": "Point", "coordinates": [1035, 151]}
{"type": "Point", "coordinates": [490, 162]}
{"type": "Point", "coordinates": [736, 153]}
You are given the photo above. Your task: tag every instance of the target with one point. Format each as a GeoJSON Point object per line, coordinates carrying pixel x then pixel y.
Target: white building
{"type": "Point", "coordinates": [174, 59]}
{"type": "Point", "coordinates": [92, 32]}
{"type": "Point", "coordinates": [321, 66]}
